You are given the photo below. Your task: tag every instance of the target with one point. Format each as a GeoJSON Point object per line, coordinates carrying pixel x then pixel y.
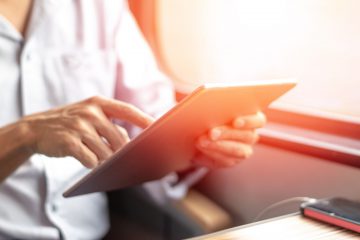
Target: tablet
{"type": "Point", "coordinates": [169, 143]}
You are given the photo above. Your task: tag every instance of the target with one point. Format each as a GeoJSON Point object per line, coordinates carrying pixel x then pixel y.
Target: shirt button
{"type": "Point", "coordinates": [28, 57]}
{"type": "Point", "coordinates": [54, 208]}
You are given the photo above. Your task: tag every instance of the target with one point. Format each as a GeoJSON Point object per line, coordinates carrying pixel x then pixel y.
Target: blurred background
{"type": "Point", "coordinates": [315, 41]}
{"type": "Point", "coordinates": [311, 146]}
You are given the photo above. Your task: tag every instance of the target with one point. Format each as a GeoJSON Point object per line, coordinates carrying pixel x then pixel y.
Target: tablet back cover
{"type": "Point", "coordinates": [169, 144]}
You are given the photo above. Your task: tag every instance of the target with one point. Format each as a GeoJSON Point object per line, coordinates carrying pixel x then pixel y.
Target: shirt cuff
{"type": "Point", "coordinates": [171, 187]}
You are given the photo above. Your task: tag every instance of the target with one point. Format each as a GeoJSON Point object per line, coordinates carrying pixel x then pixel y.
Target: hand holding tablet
{"type": "Point", "coordinates": [170, 143]}
{"type": "Point", "coordinates": [227, 145]}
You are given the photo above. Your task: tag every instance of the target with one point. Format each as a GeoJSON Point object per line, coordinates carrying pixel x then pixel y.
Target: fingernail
{"type": "Point", "coordinates": [215, 134]}
{"type": "Point", "coordinates": [239, 123]}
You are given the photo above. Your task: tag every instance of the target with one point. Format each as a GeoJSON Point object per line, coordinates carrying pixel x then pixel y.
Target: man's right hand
{"type": "Point", "coordinates": [83, 130]}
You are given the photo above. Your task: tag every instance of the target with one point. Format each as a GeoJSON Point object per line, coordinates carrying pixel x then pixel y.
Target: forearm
{"type": "Point", "coordinates": [14, 148]}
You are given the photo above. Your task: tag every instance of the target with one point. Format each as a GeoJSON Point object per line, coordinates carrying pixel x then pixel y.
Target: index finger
{"type": "Point", "coordinates": [124, 111]}
{"type": "Point", "coordinates": [257, 120]}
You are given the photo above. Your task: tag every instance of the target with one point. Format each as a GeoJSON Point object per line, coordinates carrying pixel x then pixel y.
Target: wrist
{"type": "Point", "coordinates": [26, 137]}
{"type": "Point", "coordinates": [15, 142]}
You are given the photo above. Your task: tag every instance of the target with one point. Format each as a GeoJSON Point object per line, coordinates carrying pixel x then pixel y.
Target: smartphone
{"type": "Point", "coordinates": [336, 211]}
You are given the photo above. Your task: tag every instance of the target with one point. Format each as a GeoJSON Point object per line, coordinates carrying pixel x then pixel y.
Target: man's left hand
{"type": "Point", "coordinates": [225, 146]}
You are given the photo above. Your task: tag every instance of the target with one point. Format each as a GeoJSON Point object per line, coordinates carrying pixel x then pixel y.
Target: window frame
{"type": "Point", "coordinates": [319, 125]}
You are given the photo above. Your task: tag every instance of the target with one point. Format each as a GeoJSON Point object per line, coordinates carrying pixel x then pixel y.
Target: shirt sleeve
{"type": "Point", "coordinates": [139, 79]}
{"type": "Point", "coordinates": [140, 82]}
{"type": "Point", "coordinates": [171, 188]}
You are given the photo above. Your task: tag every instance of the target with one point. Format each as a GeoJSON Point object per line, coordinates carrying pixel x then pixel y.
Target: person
{"type": "Point", "coordinates": [63, 64]}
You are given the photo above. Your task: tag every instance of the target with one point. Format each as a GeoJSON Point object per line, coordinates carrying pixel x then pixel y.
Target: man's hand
{"type": "Point", "coordinates": [84, 130]}
{"type": "Point", "coordinates": [225, 146]}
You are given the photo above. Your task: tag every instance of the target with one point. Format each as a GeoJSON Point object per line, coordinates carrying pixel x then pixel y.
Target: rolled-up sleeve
{"type": "Point", "coordinates": [140, 82]}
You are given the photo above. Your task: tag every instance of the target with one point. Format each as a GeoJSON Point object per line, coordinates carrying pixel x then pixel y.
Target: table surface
{"type": "Point", "coordinates": [293, 226]}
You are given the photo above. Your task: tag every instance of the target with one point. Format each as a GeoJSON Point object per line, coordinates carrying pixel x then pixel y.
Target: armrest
{"type": "Point", "coordinates": [203, 212]}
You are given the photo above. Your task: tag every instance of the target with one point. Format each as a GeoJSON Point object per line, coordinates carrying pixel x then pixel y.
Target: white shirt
{"type": "Point", "coordinates": [73, 49]}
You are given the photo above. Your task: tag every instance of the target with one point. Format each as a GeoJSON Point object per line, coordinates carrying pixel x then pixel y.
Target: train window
{"type": "Point", "coordinates": [316, 41]}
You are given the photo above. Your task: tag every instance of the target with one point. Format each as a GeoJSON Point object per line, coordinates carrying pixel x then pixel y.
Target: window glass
{"type": "Point", "coordinates": [315, 41]}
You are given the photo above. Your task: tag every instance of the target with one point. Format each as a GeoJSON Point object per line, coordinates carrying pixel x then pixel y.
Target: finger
{"type": "Point", "coordinates": [230, 148]}
{"type": "Point", "coordinates": [78, 150]}
{"type": "Point", "coordinates": [257, 120]}
{"type": "Point", "coordinates": [124, 111]}
{"type": "Point", "coordinates": [86, 132]}
{"type": "Point", "coordinates": [96, 145]}
{"type": "Point", "coordinates": [229, 133]}
{"type": "Point", "coordinates": [114, 136]}
{"type": "Point", "coordinates": [213, 160]}
{"type": "Point", "coordinates": [124, 135]}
